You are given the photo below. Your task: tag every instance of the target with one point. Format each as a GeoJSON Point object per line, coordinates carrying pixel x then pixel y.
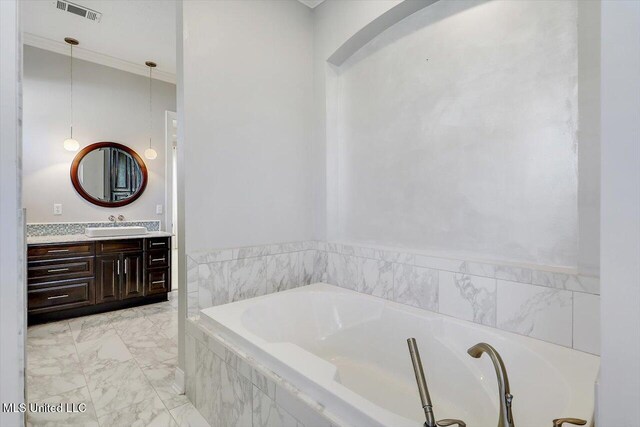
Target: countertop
{"type": "Point", "coordinates": [70, 238]}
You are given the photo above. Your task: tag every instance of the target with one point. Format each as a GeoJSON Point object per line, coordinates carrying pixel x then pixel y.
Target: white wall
{"type": "Point", "coordinates": [12, 250]}
{"type": "Point", "coordinates": [619, 391]}
{"type": "Point", "coordinates": [457, 133]}
{"type": "Point", "coordinates": [247, 105]}
{"type": "Point", "coordinates": [559, 227]}
{"type": "Point", "coordinates": [335, 22]}
{"type": "Point", "coordinates": [109, 105]}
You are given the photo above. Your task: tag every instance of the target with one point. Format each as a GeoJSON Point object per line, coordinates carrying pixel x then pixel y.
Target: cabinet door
{"type": "Point", "coordinates": [108, 270]}
{"type": "Point", "coordinates": [132, 277]}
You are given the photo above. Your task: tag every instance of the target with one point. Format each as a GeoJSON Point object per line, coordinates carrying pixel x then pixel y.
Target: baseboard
{"type": "Point", "coordinates": [179, 381]}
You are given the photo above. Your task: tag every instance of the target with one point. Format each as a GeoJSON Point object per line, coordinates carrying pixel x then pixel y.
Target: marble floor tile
{"type": "Point", "coordinates": [188, 416]}
{"type": "Point", "coordinates": [103, 352]}
{"type": "Point", "coordinates": [51, 376]}
{"type": "Point", "coordinates": [148, 413]}
{"type": "Point", "coordinates": [122, 320]}
{"type": "Point", "coordinates": [62, 419]}
{"type": "Point", "coordinates": [54, 338]}
{"type": "Point", "coordinates": [88, 328]}
{"type": "Point", "coordinates": [166, 322]}
{"type": "Point", "coordinates": [118, 387]}
{"type": "Point", "coordinates": [129, 331]}
{"type": "Point", "coordinates": [39, 331]}
{"type": "Point", "coordinates": [161, 376]}
{"type": "Point", "coordinates": [152, 347]}
{"type": "Point", "coordinates": [97, 359]}
{"type": "Point", "coordinates": [161, 307]}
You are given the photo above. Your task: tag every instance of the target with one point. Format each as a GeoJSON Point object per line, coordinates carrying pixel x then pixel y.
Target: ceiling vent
{"type": "Point", "coordinates": [76, 9]}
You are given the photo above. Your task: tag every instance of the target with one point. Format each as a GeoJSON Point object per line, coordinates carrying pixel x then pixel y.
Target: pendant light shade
{"type": "Point", "coordinates": [150, 153]}
{"type": "Point", "coordinates": [71, 144]}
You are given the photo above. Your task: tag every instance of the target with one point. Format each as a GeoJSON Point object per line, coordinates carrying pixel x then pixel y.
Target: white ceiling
{"type": "Point", "coordinates": [130, 32]}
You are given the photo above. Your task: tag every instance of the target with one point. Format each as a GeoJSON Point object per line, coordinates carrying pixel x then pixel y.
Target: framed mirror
{"type": "Point", "coordinates": [108, 174]}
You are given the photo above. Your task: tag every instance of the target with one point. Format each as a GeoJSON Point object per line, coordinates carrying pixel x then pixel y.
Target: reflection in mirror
{"type": "Point", "coordinates": [108, 174]}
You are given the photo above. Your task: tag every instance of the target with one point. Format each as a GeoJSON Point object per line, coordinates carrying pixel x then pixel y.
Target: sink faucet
{"type": "Point", "coordinates": [506, 417]}
{"type": "Point", "coordinates": [424, 390]}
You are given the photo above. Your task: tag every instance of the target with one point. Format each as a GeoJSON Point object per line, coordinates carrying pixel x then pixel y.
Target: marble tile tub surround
{"type": "Point", "coordinates": [222, 276]}
{"type": "Point", "coordinates": [548, 303]}
{"type": "Point", "coordinates": [67, 228]}
{"type": "Point", "coordinates": [230, 388]}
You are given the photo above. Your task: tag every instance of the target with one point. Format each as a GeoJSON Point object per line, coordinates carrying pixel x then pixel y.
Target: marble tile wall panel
{"type": "Point", "coordinates": [464, 289]}
{"type": "Point", "coordinates": [535, 311]}
{"type": "Point", "coordinates": [213, 283]}
{"type": "Point", "coordinates": [222, 371]}
{"type": "Point", "coordinates": [223, 396]}
{"type": "Point", "coordinates": [342, 270]}
{"type": "Point", "coordinates": [247, 278]}
{"type": "Point", "coordinates": [415, 286]}
{"type": "Point", "coordinates": [586, 322]}
{"type": "Point", "coordinates": [468, 297]}
{"type": "Point", "coordinates": [283, 271]}
{"type": "Point", "coordinates": [375, 277]}
{"type": "Point", "coordinates": [266, 413]}
{"type": "Point", "coordinates": [521, 274]}
{"type": "Point", "coordinates": [65, 228]}
{"type": "Point", "coordinates": [570, 282]}
{"type": "Point", "coordinates": [314, 266]}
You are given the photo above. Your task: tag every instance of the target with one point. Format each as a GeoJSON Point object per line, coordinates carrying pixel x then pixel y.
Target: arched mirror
{"type": "Point", "coordinates": [108, 174]}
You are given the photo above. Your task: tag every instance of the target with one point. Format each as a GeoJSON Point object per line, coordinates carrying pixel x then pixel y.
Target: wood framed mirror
{"type": "Point", "coordinates": [109, 174]}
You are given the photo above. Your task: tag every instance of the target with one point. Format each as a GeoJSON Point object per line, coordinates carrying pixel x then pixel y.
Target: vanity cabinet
{"type": "Point", "coordinates": [72, 279]}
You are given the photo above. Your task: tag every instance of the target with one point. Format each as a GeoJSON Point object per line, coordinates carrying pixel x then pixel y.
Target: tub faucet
{"type": "Point", "coordinates": [506, 417]}
{"type": "Point", "coordinates": [424, 390]}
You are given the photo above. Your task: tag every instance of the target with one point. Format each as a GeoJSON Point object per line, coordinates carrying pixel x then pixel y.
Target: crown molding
{"type": "Point", "coordinates": [311, 3]}
{"type": "Point", "coordinates": [95, 57]}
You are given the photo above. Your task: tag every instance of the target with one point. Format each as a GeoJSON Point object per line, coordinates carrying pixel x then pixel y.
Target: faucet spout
{"type": "Point", "coordinates": [506, 416]}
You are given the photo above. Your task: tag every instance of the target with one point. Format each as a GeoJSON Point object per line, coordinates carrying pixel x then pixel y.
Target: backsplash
{"type": "Point", "coordinates": [555, 306]}
{"type": "Point", "coordinates": [66, 228]}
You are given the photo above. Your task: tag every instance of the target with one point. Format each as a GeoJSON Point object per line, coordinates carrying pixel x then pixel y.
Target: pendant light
{"type": "Point", "coordinates": [71, 144]}
{"type": "Point", "coordinates": [150, 153]}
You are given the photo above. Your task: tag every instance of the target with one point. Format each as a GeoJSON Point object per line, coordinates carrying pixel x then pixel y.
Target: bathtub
{"type": "Point", "coordinates": [348, 352]}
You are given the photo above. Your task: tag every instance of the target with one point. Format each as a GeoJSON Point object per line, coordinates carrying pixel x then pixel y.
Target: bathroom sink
{"type": "Point", "coordinates": [114, 231]}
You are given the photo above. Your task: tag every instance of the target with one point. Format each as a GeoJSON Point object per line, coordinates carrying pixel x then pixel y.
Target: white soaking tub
{"type": "Point", "coordinates": [348, 351]}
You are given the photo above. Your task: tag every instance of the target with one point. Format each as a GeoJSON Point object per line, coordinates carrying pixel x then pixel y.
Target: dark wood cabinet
{"type": "Point", "coordinates": [132, 284]}
{"type": "Point", "coordinates": [71, 279]}
{"type": "Point", "coordinates": [107, 278]}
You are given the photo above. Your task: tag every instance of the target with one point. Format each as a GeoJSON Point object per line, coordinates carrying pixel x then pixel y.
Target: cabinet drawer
{"type": "Point", "coordinates": [75, 293]}
{"type": "Point", "coordinates": [157, 259]}
{"type": "Point", "coordinates": [60, 250]}
{"type": "Point", "coordinates": [117, 246]}
{"type": "Point", "coordinates": [158, 281]}
{"type": "Point", "coordinates": [159, 243]}
{"type": "Point", "coordinates": [48, 270]}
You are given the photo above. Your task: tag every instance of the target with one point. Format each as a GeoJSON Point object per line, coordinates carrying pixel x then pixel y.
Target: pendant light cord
{"type": "Point", "coordinates": [71, 86]}
{"type": "Point", "coordinates": [150, 113]}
